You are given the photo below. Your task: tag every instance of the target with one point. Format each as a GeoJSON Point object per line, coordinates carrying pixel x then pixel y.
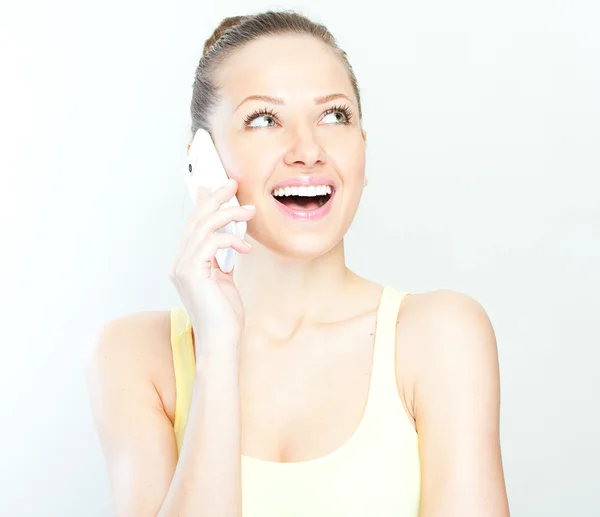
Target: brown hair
{"type": "Point", "coordinates": [233, 33]}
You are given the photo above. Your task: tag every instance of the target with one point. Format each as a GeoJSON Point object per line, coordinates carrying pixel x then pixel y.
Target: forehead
{"type": "Point", "coordinates": [295, 67]}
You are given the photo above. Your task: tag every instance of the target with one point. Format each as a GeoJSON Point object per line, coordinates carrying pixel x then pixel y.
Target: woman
{"type": "Point", "coordinates": [292, 386]}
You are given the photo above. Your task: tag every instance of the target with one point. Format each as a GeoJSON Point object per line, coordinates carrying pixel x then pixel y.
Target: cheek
{"type": "Point", "coordinates": [250, 166]}
{"type": "Point", "coordinates": [350, 162]}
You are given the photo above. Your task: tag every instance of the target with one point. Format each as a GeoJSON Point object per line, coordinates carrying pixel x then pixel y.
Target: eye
{"type": "Point", "coordinates": [264, 117]}
{"type": "Point", "coordinates": [338, 115]}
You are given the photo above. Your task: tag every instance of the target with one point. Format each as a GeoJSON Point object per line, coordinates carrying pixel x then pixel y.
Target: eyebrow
{"type": "Point", "coordinates": [280, 101]}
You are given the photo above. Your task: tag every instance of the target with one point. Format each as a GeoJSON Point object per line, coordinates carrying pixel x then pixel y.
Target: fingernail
{"type": "Point", "coordinates": [249, 207]}
{"type": "Point", "coordinates": [229, 182]}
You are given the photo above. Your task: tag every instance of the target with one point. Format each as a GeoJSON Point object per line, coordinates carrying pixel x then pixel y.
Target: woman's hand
{"type": "Point", "coordinates": [209, 295]}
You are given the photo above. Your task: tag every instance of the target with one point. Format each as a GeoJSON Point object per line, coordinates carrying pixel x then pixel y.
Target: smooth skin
{"type": "Point", "coordinates": [308, 325]}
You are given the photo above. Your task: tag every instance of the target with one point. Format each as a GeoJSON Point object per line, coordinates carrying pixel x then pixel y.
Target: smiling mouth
{"type": "Point", "coordinates": [312, 201]}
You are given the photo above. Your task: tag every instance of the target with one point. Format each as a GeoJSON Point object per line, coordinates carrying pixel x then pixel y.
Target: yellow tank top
{"type": "Point", "coordinates": [375, 473]}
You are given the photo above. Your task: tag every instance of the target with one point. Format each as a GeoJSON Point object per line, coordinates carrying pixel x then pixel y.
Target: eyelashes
{"type": "Point", "coordinates": [259, 113]}
{"type": "Point", "coordinates": [341, 109]}
{"type": "Point", "coordinates": [265, 112]}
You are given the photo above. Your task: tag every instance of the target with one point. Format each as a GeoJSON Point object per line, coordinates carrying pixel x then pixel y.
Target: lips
{"type": "Point", "coordinates": [305, 208]}
{"type": "Point", "coordinates": [303, 204]}
{"type": "Point", "coordinates": [304, 181]}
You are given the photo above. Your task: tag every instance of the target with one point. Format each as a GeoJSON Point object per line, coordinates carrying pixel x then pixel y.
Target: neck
{"type": "Point", "coordinates": [281, 292]}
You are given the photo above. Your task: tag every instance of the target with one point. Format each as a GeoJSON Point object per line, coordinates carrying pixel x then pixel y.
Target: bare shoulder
{"type": "Point", "coordinates": [140, 337]}
{"type": "Point", "coordinates": [137, 346]}
{"type": "Point", "coordinates": [442, 331]}
{"type": "Point", "coordinates": [443, 322]}
{"type": "Point", "coordinates": [444, 311]}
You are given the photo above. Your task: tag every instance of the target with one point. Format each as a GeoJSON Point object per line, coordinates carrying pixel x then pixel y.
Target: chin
{"type": "Point", "coordinates": [300, 246]}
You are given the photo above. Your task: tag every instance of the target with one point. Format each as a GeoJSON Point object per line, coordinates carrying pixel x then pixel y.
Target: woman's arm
{"type": "Point", "coordinates": [137, 436]}
{"type": "Point", "coordinates": [456, 405]}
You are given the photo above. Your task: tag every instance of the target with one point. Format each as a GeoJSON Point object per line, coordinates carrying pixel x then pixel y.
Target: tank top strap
{"type": "Point", "coordinates": [184, 368]}
{"type": "Point", "coordinates": [178, 323]}
{"type": "Point", "coordinates": [383, 373]}
{"type": "Point", "coordinates": [181, 338]}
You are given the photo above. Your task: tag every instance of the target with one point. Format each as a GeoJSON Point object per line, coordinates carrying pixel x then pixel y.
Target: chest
{"type": "Point", "coordinates": [304, 398]}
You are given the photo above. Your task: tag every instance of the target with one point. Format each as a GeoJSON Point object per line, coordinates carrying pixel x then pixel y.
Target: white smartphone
{"type": "Point", "coordinates": [204, 168]}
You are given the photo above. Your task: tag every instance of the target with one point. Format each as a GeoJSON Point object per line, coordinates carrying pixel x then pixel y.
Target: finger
{"type": "Point", "coordinates": [215, 268]}
{"type": "Point", "coordinates": [203, 257]}
{"type": "Point", "coordinates": [199, 228]}
{"type": "Point", "coordinates": [207, 249]}
{"type": "Point", "coordinates": [210, 201]}
{"type": "Point", "coordinates": [219, 274]}
{"type": "Point", "coordinates": [225, 216]}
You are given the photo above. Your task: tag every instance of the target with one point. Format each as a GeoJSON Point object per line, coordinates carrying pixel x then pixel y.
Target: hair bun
{"type": "Point", "coordinates": [225, 24]}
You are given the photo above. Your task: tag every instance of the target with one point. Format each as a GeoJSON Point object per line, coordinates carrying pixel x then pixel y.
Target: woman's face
{"type": "Point", "coordinates": [308, 130]}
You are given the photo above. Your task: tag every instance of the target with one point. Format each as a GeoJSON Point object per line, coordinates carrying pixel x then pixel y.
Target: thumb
{"type": "Point", "coordinates": [217, 272]}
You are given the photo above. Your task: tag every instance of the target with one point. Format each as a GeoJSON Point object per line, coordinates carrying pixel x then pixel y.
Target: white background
{"type": "Point", "coordinates": [484, 167]}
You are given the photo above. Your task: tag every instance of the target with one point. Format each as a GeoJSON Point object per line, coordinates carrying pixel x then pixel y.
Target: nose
{"type": "Point", "coordinates": [304, 149]}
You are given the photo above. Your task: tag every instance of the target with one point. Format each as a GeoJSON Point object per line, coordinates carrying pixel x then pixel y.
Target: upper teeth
{"type": "Point", "coordinates": [310, 191]}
